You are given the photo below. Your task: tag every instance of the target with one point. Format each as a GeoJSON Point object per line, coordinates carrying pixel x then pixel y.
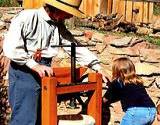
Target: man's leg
{"type": "Point", "coordinates": [23, 95]}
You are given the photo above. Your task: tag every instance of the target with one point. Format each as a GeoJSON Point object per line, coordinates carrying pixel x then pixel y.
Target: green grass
{"type": "Point", "coordinates": [156, 9]}
{"type": "Point", "coordinates": [153, 40]}
{"type": "Point", "coordinates": [8, 3]}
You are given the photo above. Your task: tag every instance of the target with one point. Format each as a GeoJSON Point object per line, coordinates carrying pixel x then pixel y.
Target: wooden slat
{"type": "Point", "coordinates": [145, 13]}
{"type": "Point", "coordinates": [95, 7]}
{"type": "Point", "coordinates": [129, 8]}
{"type": "Point", "coordinates": [115, 4]}
{"type": "Point", "coordinates": [137, 17]}
{"type": "Point", "coordinates": [83, 6]}
{"type": "Point", "coordinates": [89, 7]}
{"type": "Point", "coordinates": [103, 7]}
{"type": "Point", "coordinates": [122, 8]}
{"type": "Point", "coordinates": [150, 12]}
{"type": "Point", "coordinates": [109, 7]}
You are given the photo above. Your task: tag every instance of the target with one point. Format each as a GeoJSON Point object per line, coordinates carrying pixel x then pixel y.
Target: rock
{"type": "Point", "coordinates": [156, 35]}
{"type": "Point", "coordinates": [98, 36]}
{"type": "Point", "coordinates": [150, 55]}
{"type": "Point", "coordinates": [148, 82]}
{"type": "Point", "coordinates": [146, 69]}
{"type": "Point", "coordinates": [100, 47]}
{"type": "Point", "coordinates": [135, 41]}
{"type": "Point", "coordinates": [123, 42]}
{"type": "Point", "coordinates": [2, 25]}
{"type": "Point", "coordinates": [144, 30]}
{"type": "Point", "coordinates": [77, 33]}
{"type": "Point", "coordinates": [129, 51]}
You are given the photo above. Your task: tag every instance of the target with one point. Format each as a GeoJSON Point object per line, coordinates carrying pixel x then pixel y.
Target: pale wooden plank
{"type": "Point", "coordinates": [109, 7]}
{"type": "Point", "coordinates": [103, 7]}
{"type": "Point", "coordinates": [115, 4]}
{"type": "Point", "coordinates": [137, 17]}
{"type": "Point", "coordinates": [150, 12]}
{"type": "Point", "coordinates": [145, 12]}
{"type": "Point", "coordinates": [96, 6]}
{"type": "Point", "coordinates": [129, 6]}
{"type": "Point", "coordinates": [89, 7]}
{"type": "Point", "coordinates": [122, 8]}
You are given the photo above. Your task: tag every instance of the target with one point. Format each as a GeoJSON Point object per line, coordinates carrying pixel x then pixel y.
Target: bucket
{"type": "Point", "coordinates": [86, 120]}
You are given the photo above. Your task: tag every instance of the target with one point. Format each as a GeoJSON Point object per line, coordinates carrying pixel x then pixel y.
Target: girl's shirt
{"type": "Point", "coordinates": [130, 95]}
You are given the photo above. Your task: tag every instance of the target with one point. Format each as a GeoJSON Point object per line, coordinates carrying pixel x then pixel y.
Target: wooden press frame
{"type": "Point", "coordinates": [50, 90]}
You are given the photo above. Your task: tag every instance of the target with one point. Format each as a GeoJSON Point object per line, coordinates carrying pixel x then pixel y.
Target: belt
{"type": "Point", "coordinates": [20, 67]}
{"type": "Point", "coordinates": [45, 60]}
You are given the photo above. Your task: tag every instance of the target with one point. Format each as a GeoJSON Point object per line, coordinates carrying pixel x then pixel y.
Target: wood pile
{"type": "Point", "coordinates": [101, 22]}
{"type": "Point", "coordinates": [4, 106]}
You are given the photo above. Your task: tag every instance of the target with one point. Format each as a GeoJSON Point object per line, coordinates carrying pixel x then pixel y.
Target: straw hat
{"type": "Point", "coordinates": [69, 6]}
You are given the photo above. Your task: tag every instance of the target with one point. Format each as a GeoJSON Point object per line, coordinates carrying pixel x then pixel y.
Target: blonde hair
{"type": "Point", "coordinates": [124, 69]}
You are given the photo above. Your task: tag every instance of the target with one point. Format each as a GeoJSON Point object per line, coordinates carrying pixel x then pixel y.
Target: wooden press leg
{"type": "Point", "coordinates": [95, 104]}
{"type": "Point", "coordinates": [49, 101]}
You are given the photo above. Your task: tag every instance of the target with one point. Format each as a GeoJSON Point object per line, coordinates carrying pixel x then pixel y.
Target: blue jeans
{"type": "Point", "coordinates": [24, 91]}
{"type": "Point", "coordinates": [139, 116]}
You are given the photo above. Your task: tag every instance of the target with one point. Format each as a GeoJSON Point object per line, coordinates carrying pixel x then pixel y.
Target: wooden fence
{"type": "Point", "coordinates": [136, 11]}
{"type": "Point", "coordinates": [132, 10]}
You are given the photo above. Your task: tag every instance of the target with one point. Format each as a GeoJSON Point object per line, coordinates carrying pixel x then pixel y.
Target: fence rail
{"type": "Point", "coordinates": [136, 11]}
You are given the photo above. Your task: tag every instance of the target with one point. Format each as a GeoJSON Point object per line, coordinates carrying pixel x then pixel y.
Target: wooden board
{"type": "Point", "coordinates": [150, 11]}
{"type": "Point", "coordinates": [103, 7]}
{"type": "Point", "coordinates": [137, 17]}
{"type": "Point", "coordinates": [115, 4]}
{"type": "Point", "coordinates": [122, 8]}
{"type": "Point", "coordinates": [96, 6]}
{"type": "Point", "coordinates": [145, 12]}
{"type": "Point", "coordinates": [129, 8]}
{"type": "Point", "coordinates": [109, 7]}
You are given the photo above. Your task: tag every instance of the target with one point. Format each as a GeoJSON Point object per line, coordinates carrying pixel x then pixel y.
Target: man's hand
{"type": "Point", "coordinates": [43, 70]}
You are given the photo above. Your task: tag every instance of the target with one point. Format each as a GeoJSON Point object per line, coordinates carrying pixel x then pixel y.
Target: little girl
{"type": "Point", "coordinates": [158, 112]}
{"type": "Point", "coordinates": [128, 88]}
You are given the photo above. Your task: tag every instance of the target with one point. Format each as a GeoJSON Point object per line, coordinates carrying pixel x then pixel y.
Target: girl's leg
{"type": "Point", "coordinates": [139, 116]}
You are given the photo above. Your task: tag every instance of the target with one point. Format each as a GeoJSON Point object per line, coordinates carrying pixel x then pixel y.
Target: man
{"type": "Point", "coordinates": [29, 45]}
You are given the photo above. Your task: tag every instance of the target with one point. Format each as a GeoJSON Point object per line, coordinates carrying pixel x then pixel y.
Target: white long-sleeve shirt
{"type": "Point", "coordinates": [30, 30]}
